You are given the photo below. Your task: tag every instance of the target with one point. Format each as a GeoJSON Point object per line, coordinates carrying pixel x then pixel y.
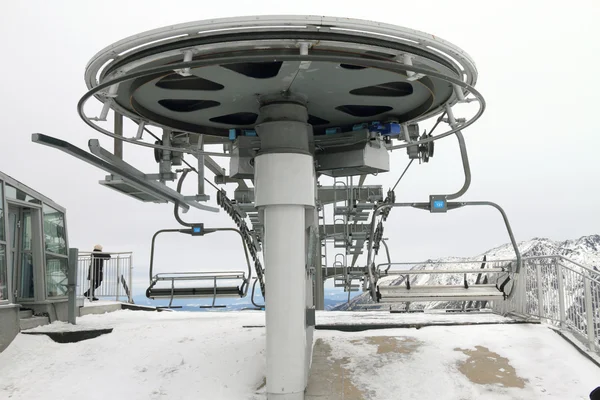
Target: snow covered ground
{"type": "Point", "coordinates": [187, 355]}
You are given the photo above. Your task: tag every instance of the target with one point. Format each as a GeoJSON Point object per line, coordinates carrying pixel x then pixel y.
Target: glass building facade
{"type": "Point", "coordinates": [33, 245]}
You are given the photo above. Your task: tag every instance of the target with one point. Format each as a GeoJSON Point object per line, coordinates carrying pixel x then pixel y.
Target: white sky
{"type": "Point", "coordinates": [534, 151]}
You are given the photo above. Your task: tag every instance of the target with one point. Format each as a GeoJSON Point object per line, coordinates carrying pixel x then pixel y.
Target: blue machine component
{"type": "Point", "coordinates": [197, 230]}
{"type": "Point", "coordinates": [389, 129]}
{"type": "Point", "coordinates": [438, 204]}
{"type": "Point", "coordinates": [358, 127]}
{"type": "Point", "coordinates": [234, 133]}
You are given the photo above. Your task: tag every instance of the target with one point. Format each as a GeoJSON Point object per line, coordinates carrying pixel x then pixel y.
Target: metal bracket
{"type": "Point", "coordinates": [118, 167]}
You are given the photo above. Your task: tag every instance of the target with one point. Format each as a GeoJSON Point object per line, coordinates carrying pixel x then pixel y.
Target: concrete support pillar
{"type": "Point", "coordinates": [284, 190]}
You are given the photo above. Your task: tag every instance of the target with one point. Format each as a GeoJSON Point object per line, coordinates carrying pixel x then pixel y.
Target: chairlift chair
{"type": "Point", "coordinates": [476, 291]}
{"type": "Point", "coordinates": [207, 284]}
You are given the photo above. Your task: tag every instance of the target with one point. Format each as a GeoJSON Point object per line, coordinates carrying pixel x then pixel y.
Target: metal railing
{"type": "Point", "coordinates": [112, 281]}
{"type": "Point", "coordinates": [553, 289]}
{"type": "Point", "coordinates": [560, 292]}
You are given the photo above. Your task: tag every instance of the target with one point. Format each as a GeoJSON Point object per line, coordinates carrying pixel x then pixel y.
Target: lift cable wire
{"type": "Point", "coordinates": [152, 134]}
{"type": "Point", "coordinates": [437, 123]}
{"type": "Point", "coordinates": [405, 169]}
{"type": "Point", "coordinates": [196, 171]}
{"type": "Point", "coordinates": [440, 119]}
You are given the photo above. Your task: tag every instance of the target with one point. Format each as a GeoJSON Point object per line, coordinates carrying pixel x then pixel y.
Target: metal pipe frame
{"type": "Point", "coordinates": [425, 206]}
{"type": "Point", "coordinates": [267, 55]}
{"type": "Point", "coordinates": [206, 231]}
{"type": "Point", "coordinates": [466, 168]}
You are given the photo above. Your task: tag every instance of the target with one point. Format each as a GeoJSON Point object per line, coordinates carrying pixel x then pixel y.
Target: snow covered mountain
{"type": "Point", "coordinates": [585, 250]}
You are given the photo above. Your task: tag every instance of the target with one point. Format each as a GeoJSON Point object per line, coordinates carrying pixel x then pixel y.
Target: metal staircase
{"type": "Point", "coordinates": [352, 206]}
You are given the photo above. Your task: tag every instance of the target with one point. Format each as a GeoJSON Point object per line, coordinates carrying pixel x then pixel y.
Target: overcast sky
{"type": "Point", "coordinates": [534, 151]}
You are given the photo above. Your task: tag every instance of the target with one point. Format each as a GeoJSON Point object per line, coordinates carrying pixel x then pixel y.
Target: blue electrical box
{"type": "Point", "coordinates": [197, 230]}
{"type": "Point", "coordinates": [438, 204]}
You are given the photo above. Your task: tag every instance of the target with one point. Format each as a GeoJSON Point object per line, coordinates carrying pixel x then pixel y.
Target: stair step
{"type": "Point", "coordinates": [362, 217]}
{"type": "Point", "coordinates": [364, 206]}
{"type": "Point", "coordinates": [340, 210]}
{"type": "Point", "coordinates": [247, 207]}
{"type": "Point", "coordinates": [32, 322]}
{"type": "Point", "coordinates": [25, 314]}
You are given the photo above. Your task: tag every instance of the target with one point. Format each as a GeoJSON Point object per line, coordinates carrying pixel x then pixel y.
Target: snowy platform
{"type": "Point", "coordinates": [361, 320]}
{"type": "Point", "coordinates": [220, 355]}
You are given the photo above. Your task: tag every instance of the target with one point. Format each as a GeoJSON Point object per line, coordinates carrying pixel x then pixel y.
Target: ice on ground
{"type": "Point", "coordinates": [187, 355]}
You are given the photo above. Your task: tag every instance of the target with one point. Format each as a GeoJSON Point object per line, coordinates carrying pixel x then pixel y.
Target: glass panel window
{"type": "Point", "coordinates": [26, 288]}
{"type": "Point", "coordinates": [3, 277]}
{"type": "Point", "coordinates": [56, 275]}
{"type": "Point", "coordinates": [54, 231]}
{"type": "Point", "coordinates": [2, 236]}
{"type": "Point", "coordinates": [26, 236]}
{"type": "Point", "coordinates": [17, 194]}
{"type": "Point", "coordinates": [27, 291]}
{"type": "Point", "coordinates": [57, 263]}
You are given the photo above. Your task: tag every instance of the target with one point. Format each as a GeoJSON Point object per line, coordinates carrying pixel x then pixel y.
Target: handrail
{"type": "Point", "coordinates": [560, 293]}
{"type": "Point", "coordinates": [87, 253]}
{"type": "Point", "coordinates": [565, 259]}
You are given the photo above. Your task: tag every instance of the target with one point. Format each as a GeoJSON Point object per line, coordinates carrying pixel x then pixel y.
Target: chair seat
{"type": "Point", "coordinates": [399, 294]}
{"type": "Point", "coordinates": [187, 292]}
{"type": "Point", "coordinates": [447, 271]}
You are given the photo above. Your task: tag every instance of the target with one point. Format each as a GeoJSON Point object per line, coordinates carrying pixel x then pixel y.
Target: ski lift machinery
{"type": "Point", "coordinates": [287, 99]}
{"type": "Point", "coordinates": [504, 270]}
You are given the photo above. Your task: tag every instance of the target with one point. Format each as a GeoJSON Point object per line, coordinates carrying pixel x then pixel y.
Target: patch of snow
{"type": "Point", "coordinates": [190, 355]}
{"type": "Point", "coordinates": [551, 368]}
{"type": "Point", "coordinates": [149, 355]}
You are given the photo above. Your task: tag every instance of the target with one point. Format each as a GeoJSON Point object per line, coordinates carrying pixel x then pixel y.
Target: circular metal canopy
{"type": "Point", "coordinates": [349, 71]}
